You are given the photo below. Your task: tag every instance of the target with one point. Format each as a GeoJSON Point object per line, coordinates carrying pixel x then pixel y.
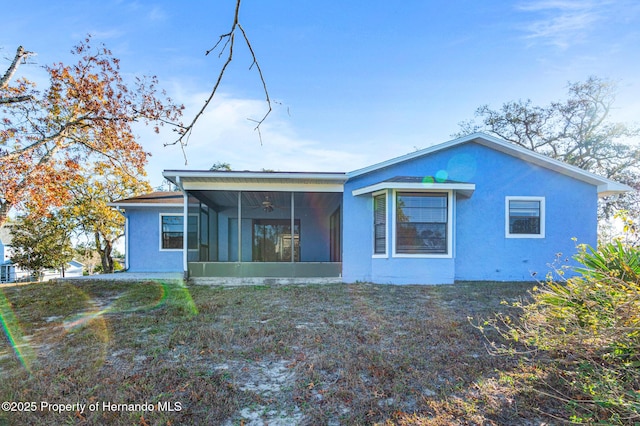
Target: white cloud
{"type": "Point", "coordinates": [555, 4]}
{"type": "Point", "coordinates": [225, 133]}
{"type": "Point", "coordinates": [564, 23]}
{"type": "Point", "coordinates": [157, 14]}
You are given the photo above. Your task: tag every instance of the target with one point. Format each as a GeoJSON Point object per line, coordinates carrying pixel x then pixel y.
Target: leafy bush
{"type": "Point", "coordinates": [583, 335]}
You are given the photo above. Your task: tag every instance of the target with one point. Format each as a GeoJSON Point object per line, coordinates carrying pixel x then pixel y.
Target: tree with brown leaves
{"type": "Point", "coordinates": [89, 211]}
{"type": "Point", "coordinates": [85, 115]}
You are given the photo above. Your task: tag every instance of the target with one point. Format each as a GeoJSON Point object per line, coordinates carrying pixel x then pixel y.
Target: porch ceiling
{"type": "Point", "coordinates": [255, 199]}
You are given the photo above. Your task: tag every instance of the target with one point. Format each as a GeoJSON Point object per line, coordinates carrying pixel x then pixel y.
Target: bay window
{"type": "Point", "coordinates": [380, 224]}
{"type": "Point", "coordinates": [422, 223]}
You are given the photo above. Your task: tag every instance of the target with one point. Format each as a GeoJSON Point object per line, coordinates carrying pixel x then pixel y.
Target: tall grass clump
{"type": "Point", "coordinates": [579, 339]}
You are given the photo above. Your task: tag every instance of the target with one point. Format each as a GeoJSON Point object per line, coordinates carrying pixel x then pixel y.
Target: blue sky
{"type": "Point", "coordinates": [355, 82]}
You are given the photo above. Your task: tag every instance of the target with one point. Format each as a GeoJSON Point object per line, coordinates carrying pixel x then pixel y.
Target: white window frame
{"type": "Point", "coordinates": [384, 255]}
{"type": "Point", "coordinates": [449, 253]}
{"type": "Point", "coordinates": [508, 234]}
{"type": "Point", "coordinates": [197, 216]}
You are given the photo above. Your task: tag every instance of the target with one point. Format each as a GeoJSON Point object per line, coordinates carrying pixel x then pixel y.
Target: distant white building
{"type": "Point", "coordinates": [11, 273]}
{"type": "Point", "coordinates": [8, 271]}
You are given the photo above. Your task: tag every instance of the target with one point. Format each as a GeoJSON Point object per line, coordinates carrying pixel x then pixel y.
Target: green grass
{"type": "Point", "coordinates": [331, 354]}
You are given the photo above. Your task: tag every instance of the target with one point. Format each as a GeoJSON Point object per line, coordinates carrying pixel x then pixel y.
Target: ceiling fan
{"type": "Point", "coordinates": [267, 205]}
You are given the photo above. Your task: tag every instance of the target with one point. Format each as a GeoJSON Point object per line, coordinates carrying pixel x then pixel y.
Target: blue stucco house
{"type": "Point", "coordinates": [473, 208]}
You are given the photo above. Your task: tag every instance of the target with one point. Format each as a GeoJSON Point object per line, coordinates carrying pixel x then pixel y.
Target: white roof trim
{"type": "Point", "coordinates": [465, 188]}
{"type": "Point", "coordinates": [117, 204]}
{"type": "Point", "coordinates": [215, 175]}
{"type": "Point", "coordinates": [605, 186]}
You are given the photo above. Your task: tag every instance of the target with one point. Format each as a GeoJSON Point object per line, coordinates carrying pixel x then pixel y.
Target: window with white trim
{"type": "Point", "coordinates": [422, 226]}
{"type": "Point", "coordinates": [524, 217]}
{"type": "Point", "coordinates": [172, 231]}
{"type": "Point", "coordinates": [380, 224]}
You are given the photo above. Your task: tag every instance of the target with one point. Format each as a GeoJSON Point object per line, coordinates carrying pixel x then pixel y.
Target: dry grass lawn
{"type": "Point", "coordinates": [161, 353]}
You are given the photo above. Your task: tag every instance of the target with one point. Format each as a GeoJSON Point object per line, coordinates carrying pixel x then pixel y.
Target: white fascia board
{"type": "Point", "coordinates": [186, 174]}
{"type": "Point", "coordinates": [116, 204]}
{"type": "Point", "coordinates": [605, 186]}
{"type": "Point", "coordinates": [137, 205]}
{"type": "Point", "coordinates": [462, 187]}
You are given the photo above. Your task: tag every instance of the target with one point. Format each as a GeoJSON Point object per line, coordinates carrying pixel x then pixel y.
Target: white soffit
{"type": "Point", "coordinates": [258, 181]}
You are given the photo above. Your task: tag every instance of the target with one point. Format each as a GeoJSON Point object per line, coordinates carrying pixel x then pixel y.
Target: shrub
{"type": "Point", "coordinates": [584, 335]}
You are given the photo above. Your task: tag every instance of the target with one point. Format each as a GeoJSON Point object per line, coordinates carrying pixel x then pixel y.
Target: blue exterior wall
{"type": "Point", "coordinates": [481, 250]}
{"type": "Point", "coordinates": [144, 242]}
{"type": "Point", "coordinates": [144, 236]}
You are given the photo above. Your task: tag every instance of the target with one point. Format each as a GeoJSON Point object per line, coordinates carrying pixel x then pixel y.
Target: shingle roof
{"type": "Point", "coordinates": [158, 197]}
{"type": "Point", "coordinates": [421, 179]}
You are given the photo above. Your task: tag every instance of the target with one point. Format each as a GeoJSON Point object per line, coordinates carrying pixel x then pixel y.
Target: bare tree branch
{"type": "Point", "coordinates": [15, 99]}
{"type": "Point", "coordinates": [228, 42]}
{"type": "Point", "coordinates": [264, 84]}
{"type": "Point", "coordinates": [21, 55]}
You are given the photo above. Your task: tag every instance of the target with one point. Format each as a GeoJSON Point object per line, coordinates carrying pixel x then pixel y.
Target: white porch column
{"type": "Point", "coordinates": [239, 226]}
{"type": "Point", "coordinates": [126, 243]}
{"type": "Point", "coordinates": [185, 234]}
{"type": "Point", "coordinates": [293, 222]}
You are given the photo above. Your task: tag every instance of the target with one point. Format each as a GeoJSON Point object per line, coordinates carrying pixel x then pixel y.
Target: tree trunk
{"type": "Point", "coordinates": [105, 254]}
{"type": "Point", "coordinates": [4, 212]}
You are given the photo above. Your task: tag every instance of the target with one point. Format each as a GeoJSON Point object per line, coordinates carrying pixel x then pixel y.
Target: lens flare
{"type": "Point", "coordinates": [186, 295]}
{"type": "Point", "coordinates": [462, 167]}
{"type": "Point", "coordinates": [17, 340]}
{"type": "Point", "coordinates": [122, 305]}
{"type": "Point", "coordinates": [442, 176]}
{"type": "Point", "coordinates": [140, 297]}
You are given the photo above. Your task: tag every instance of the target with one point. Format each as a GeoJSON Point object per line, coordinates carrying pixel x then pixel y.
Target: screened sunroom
{"type": "Point", "coordinates": [261, 224]}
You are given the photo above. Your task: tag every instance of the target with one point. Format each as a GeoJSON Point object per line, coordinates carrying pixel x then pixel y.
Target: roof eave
{"type": "Point", "coordinates": [612, 188]}
{"type": "Point", "coordinates": [412, 155]}
{"type": "Point", "coordinates": [605, 186]}
{"type": "Point", "coordinates": [130, 205]}
{"type": "Point", "coordinates": [257, 181]}
{"type": "Point", "coordinates": [464, 188]}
